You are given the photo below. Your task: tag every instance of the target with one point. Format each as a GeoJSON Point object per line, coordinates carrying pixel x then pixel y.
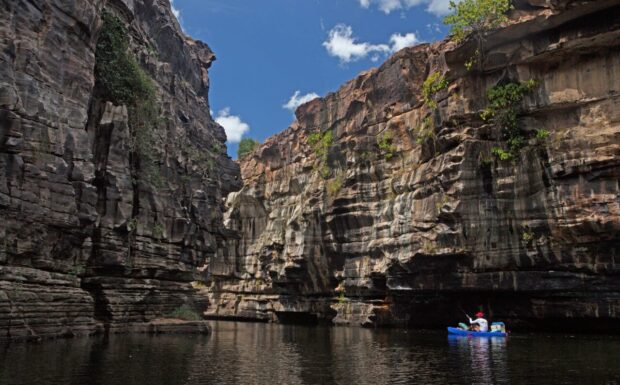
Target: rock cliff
{"type": "Point", "coordinates": [390, 202]}
{"type": "Point", "coordinates": [106, 214]}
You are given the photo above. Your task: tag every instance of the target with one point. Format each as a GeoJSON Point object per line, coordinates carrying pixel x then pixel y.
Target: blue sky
{"type": "Point", "coordinates": [268, 51]}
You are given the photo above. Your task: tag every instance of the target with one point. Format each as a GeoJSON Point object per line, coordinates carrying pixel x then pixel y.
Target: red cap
{"type": "Point", "coordinates": [480, 314]}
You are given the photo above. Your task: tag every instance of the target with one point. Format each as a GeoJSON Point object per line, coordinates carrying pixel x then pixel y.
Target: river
{"type": "Point", "coordinates": [254, 353]}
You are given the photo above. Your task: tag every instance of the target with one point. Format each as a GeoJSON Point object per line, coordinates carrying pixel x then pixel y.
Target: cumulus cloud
{"type": "Point", "coordinates": [399, 41]}
{"type": "Point", "coordinates": [233, 125]}
{"type": "Point", "coordinates": [437, 7]}
{"type": "Point", "coordinates": [297, 100]}
{"type": "Point", "coordinates": [342, 44]}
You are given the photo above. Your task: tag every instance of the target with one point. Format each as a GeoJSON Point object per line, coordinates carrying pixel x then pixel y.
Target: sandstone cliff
{"type": "Point", "coordinates": [92, 235]}
{"type": "Point", "coordinates": [374, 209]}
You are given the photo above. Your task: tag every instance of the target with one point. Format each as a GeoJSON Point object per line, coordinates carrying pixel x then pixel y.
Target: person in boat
{"type": "Point", "coordinates": [479, 324]}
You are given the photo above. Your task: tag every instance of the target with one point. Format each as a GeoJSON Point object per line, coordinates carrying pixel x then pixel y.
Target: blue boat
{"type": "Point", "coordinates": [469, 333]}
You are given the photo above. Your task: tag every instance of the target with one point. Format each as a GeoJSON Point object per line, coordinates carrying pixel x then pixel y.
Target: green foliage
{"type": "Point", "coordinates": [485, 160]}
{"type": "Point", "coordinates": [118, 73]}
{"type": "Point", "coordinates": [320, 144]}
{"type": "Point", "coordinates": [427, 130]}
{"type": "Point", "coordinates": [246, 146]}
{"type": "Point", "coordinates": [542, 134]}
{"type": "Point", "coordinates": [429, 247]}
{"type": "Point", "coordinates": [469, 63]}
{"type": "Point", "coordinates": [152, 51]}
{"type": "Point", "coordinates": [501, 154]}
{"type": "Point", "coordinates": [476, 17]}
{"type": "Point", "coordinates": [184, 312]}
{"type": "Point", "coordinates": [527, 236]}
{"type": "Point", "coordinates": [342, 297]}
{"type": "Point", "coordinates": [132, 225]}
{"type": "Point", "coordinates": [385, 145]}
{"type": "Point", "coordinates": [433, 84]}
{"type": "Point", "coordinates": [123, 82]}
{"type": "Point", "coordinates": [503, 109]}
{"type": "Point", "coordinates": [334, 185]}
{"type": "Point", "coordinates": [367, 156]}
{"type": "Point", "coordinates": [158, 231]}
{"type": "Point", "coordinates": [506, 98]}
{"type": "Point", "coordinates": [217, 148]}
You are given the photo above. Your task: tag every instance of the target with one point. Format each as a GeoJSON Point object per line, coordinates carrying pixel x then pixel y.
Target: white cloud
{"type": "Point", "coordinates": [175, 11]}
{"type": "Point", "coordinates": [296, 100]}
{"type": "Point", "coordinates": [437, 7]}
{"type": "Point", "coordinates": [342, 44]}
{"type": "Point", "coordinates": [233, 125]}
{"type": "Point", "coordinates": [401, 41]}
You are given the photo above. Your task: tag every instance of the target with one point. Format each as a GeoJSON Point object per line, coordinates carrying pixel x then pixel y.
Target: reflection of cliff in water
{"type": "Point", "coordinates": [484, 360]}
{"type": "Point", "coordinates": [243, 353]}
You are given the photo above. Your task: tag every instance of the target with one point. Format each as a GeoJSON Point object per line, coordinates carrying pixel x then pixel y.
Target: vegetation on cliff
{"type": "Point", "coordinates": [122, 81]}
{"type": "Point", "coordinates": [321, 142]}
{"type": "Point", "coordinates": [246, 146]}
{"type": "Point", "coordinates": [386, 146]}
{"type": "Point", "coordinates": [432, 85]}
{"type": "Point", "coordinates": [475, 18]}
{"type": "Point", "coordinates": [503, 110]}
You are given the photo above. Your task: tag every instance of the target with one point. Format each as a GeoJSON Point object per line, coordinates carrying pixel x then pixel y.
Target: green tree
{"type": "Point", "coordinates": [475, 18]}
{"type": "Point", "coordinates": [246, 146]}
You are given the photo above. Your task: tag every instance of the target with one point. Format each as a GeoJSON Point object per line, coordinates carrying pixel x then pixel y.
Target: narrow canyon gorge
{"type": "Point", "coordinates": [450, 177]}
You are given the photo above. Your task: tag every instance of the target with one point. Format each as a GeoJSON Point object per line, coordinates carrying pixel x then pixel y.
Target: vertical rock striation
{"type": "Point", "coordinates": [90, 239]}
{"type": "Point", "coordinates": [405, 219]}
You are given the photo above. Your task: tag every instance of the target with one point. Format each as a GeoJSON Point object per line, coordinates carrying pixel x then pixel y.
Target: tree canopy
{"type": "Point", "coordinates": [476, 16]}
{"type": "Point", "coordinates": [246, 146]}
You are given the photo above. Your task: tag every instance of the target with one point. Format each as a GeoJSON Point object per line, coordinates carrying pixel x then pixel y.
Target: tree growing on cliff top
{"type": "Point", "coordinates": [246, 146]}
{"type": "Point", "coordinates": [475, 18]}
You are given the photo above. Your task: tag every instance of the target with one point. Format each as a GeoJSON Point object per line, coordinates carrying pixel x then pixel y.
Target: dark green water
{"type": "Point", "coordinates": [244, 353]}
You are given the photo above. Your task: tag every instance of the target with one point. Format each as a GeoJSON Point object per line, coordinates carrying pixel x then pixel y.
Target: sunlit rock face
{"type": "Point", "coordinates": [443, 224]}
{"type": "Point", "coordinates": [87, 242]}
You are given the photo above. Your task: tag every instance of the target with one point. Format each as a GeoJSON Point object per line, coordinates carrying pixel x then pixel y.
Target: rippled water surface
{"type": "Point", "coordinates": [245, 353]}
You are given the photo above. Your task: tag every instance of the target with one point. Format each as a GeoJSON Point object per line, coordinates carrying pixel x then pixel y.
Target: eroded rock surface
{"type": "Point", "coordinates": [87, 241]}
{"type": "Point", "coordinates": [441, 223]}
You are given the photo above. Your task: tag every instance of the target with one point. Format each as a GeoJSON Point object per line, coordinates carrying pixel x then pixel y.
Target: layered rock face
{"type": "Point", "coordinates": [88, 240]}
{"type": "Point", "coordinates": [407, 220]}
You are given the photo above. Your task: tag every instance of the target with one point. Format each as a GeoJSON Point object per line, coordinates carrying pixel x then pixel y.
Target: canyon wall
{"type": "Point", "coordinates": [409, 215]}
{"type": "Point", "coordinates": [93, 238]}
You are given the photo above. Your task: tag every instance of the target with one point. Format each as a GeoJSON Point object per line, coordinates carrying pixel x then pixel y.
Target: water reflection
{"type": "Point", "coordinates": [240, 353]}
{"type": "Point", "coordinates": [482, 359]}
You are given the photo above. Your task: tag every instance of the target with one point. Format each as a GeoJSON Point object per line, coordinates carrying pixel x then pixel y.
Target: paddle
{"type": "Point", "coordinates": [466, 315]}
{"type": "Point", "coordinates": [462, 325]}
